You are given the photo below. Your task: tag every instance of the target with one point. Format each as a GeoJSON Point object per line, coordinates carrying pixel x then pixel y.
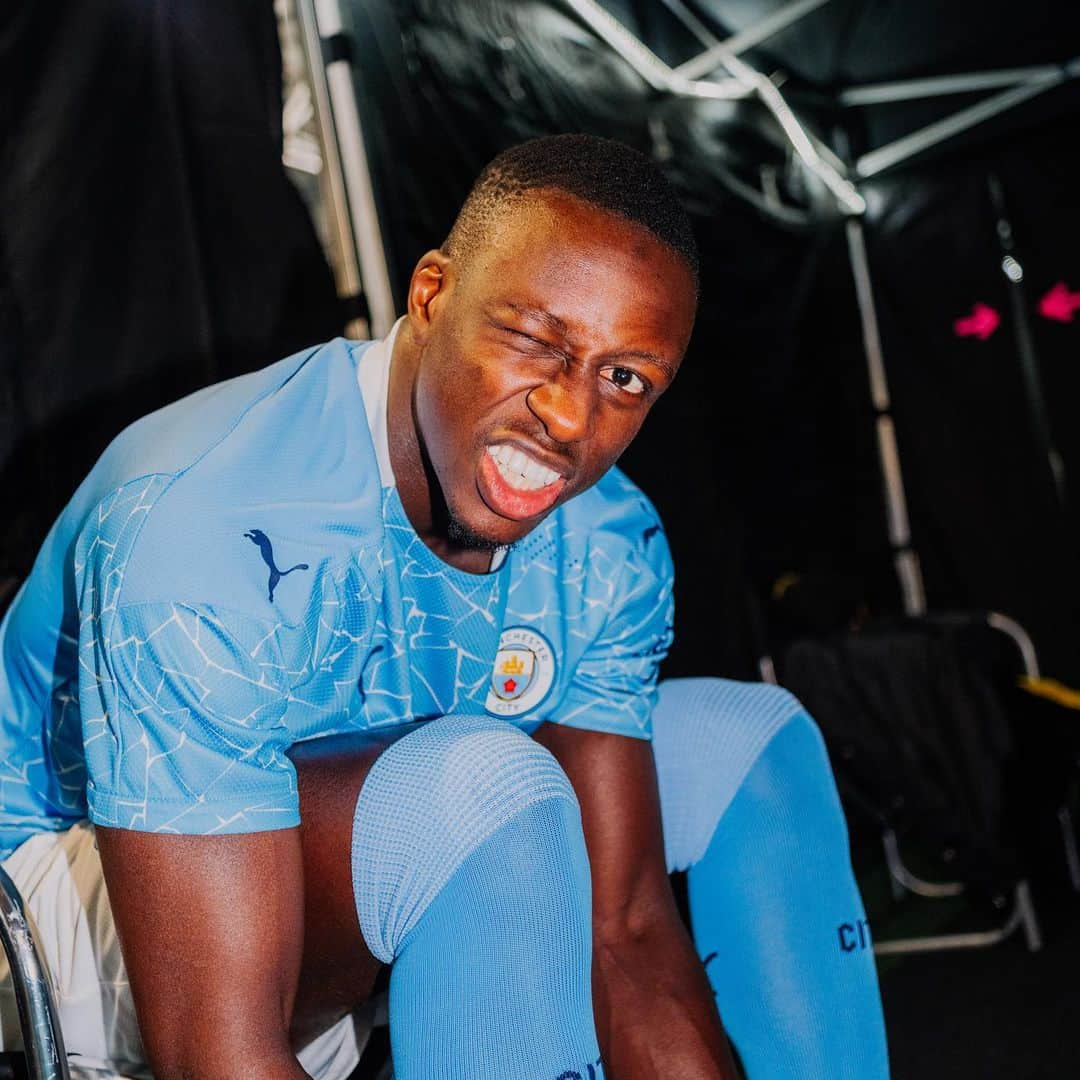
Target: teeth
{"type": "Point", "coordinates": [519, 470]}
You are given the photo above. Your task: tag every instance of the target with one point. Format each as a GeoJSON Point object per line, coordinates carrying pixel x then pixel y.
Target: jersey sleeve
{"type": "Point", "coordinates": [613, 688]}
{"type": "Point", "coordinates": [182, 724]}
{"type": "Point", "coordinates": [181, 704]}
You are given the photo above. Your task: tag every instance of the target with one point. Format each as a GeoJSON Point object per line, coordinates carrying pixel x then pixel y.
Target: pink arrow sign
{"type": "Point", "coordinates": [1059, 304]}
{"type": "Point", "coordinates": [981, 323]}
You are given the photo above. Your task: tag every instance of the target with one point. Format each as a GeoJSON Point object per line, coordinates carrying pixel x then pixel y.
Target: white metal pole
{"type": "Point", "coordinates": [893, 153]}
{"type": "Point", "coordinates": [374, 272]}
{"type": "Point", "coordinates": [707, 62]}
{"type": "Point", "coordinates": [966, 82]}
{"type": "Point", "coordinates": [905, 558]}
{"type": "Point", "coordinates": [661, 77]}
{"type": "Point", "coordinates": [347, 266]}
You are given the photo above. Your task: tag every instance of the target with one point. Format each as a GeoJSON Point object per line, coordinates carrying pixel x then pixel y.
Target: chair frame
{"type": "Point", "coordinates": [43, 1042]}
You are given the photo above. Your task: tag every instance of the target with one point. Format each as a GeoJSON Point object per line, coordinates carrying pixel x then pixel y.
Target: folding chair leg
{"type": "Point", "coordinates": [1022, 917]}
{"type": "Point", "coordinates": [903, 880]}
{"type": "Point", "coordinates": [1028, 920]}
{"type": "Point", "coordinates": [43, 1042]}
{"type": "Point", "coordinates": [1068, 837]}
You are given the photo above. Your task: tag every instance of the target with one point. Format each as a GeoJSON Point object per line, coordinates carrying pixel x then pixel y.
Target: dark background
{"type": "Point", "coordinates": [151, 243]}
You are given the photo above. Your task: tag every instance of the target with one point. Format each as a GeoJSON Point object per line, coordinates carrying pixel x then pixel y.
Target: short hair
{"type": "Point", "coordinates": [602, 172]}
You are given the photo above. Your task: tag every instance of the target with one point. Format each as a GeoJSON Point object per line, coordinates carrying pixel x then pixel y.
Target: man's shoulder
{"type": "Point", "coordinates": [243, 411]}
{"type": "Point", "coordinates": [615, 516]}
{"type": "Point", "coordinates": [263, 487]}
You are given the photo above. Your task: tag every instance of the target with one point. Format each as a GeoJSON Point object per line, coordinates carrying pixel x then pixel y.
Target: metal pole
{"type": "Point", "coordinates": [905, 559]}
{"type": "Point", "coordinates": [1020, 638]}
{"type": "Point", "coordinates": [942, 85]}
{"type": "Point", "coordinates": [374, 272]}
{"type": "Point", "coordinates": [715, 56]}
{"type": "Point", "coordinates": [347, 268]}
{"type": "Point", "coordinates": [895, 152]}
{"type": "Point", "coordinates": [661, 77]}
{"type": "Point", "coordinates": [352, 196]}
{"type": "Point", "coordinates": [1025, 342]}
{"type": "Point", "coordinates": [43, 1041]}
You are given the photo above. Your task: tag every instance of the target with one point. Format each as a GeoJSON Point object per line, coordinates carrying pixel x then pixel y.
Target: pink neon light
{"type": "Point", "coordinates": [1059, 304]}
{"type": "Point", "coordinates": [981, 323]}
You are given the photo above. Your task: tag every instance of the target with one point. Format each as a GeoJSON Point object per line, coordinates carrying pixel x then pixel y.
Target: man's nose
{"type": "Point", "coordinates": [565, 406]}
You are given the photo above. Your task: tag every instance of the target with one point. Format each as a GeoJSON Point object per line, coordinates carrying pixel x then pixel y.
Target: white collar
{"type": "Point", "coordinates": [373, 376]}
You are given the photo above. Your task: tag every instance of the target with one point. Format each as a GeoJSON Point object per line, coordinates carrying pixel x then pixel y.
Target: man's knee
{"type": "Point", "coordinates": [708, 735]}
{"type": "Point", "coordinates": [445, 795]}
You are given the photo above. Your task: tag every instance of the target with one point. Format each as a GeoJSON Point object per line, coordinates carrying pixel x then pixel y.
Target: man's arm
{"type": "Point", "coordinates": [655, 1014]}
{"type": "Point", "coordinates": [212, 933]}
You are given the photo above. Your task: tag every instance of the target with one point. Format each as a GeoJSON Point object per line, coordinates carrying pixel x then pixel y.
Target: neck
{"type": "Point", "coordinates": [417, 487]}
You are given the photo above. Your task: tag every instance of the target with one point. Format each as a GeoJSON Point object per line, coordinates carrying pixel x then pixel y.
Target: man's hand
{"type": "Point", "coordinates": [655, 1014]}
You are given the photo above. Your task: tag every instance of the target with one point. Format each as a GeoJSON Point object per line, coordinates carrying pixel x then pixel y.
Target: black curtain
{"type": "Point", "coordinates": [150, 242]}
{"type": "Point", "coordinates": [762, 457]}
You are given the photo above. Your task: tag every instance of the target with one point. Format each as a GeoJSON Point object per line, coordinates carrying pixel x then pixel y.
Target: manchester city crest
{"type": "Point", "coordinates": [523, 672]}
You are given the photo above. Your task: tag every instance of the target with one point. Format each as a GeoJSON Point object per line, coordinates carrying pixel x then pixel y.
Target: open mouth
{"type": "Point", "coordinates": [516, 485]}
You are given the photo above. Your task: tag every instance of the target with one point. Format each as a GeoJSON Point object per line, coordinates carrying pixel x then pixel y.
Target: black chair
{"type": "Point", "coordinates": [913, 711]}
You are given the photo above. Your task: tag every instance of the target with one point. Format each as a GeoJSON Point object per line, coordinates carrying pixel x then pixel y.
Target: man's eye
{"type": "Point", "coordinates": [527, 341]}
{"type": "Point", "coordinates": [625, 379]}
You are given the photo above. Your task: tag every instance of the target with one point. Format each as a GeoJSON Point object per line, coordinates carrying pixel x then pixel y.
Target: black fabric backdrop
{"type": "Point", "coordinates": [150, 243]}
{"type": "Point", "coordinates": [762, 457]}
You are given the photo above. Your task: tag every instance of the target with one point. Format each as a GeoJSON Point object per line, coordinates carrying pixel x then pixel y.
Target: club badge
{"type": "Point", "coordinates": [523, 673]}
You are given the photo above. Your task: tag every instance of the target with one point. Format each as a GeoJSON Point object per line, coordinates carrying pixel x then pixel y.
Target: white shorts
{"type": "Point", "coordinates": [63, 890]}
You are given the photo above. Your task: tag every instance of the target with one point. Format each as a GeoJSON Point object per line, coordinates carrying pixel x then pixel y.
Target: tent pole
{"type": "Point", "coordinates": [885, 157]}
{"type": "Point", "coordinates": [1030, 369]}
{"type": "Point", "coordinates": [346, 265]}
{"type": "Point", "coordinates": [905, 558]}
{"type": "Point", "coordinates": [716, 55]}
{"type": "Point", "coordinates": [374, 272]}
{"type": "Point", "coordinates": [942, 85]}
{"type": "Point", "coordinates": [661, 77]}
{"type": "Point", "coordinates": [355, 215]}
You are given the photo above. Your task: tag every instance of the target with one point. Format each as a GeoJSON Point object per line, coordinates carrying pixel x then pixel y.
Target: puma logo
{"type": "Point", "coordinates": [266, 549]}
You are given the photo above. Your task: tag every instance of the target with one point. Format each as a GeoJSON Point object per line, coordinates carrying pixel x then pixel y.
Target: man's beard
{"type": "Point", "coordinates": [460, 535]}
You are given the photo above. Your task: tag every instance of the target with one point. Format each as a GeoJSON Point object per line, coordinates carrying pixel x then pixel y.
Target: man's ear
{"type": "Point", "coordinates": [428, 289]}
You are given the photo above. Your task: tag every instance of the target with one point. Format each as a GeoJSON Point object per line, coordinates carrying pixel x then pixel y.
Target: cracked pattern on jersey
{"type": "Point", "coordinates": [435, 635]}
{"type": "Point", "coordinates": [186, 710]}
{"type": "Point", "coordinates": [175, 708]}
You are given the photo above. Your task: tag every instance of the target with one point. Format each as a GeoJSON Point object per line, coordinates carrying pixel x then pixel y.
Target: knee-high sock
{"type": "Point", "coordinates": [471, 877]}
{"type": "Point", "coordinates": [751, 808]}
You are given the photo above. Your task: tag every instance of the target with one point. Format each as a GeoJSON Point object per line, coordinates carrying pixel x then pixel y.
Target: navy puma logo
{"type": "Point", "coordinates": [266, 549]}
{"type": "Point", "coordinates": [595, 1072]}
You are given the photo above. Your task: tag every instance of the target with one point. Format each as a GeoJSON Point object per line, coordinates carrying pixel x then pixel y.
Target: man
{"type": "Point", "coordinates": [312, 617]}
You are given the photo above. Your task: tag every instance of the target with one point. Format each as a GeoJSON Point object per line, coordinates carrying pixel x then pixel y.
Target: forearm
{"type": "Point", "coordinates": [211, 930]}
{"type": "Point", "coordinates": [276, 1067]}
{"type": "Point", "coordinates": [655, 1014]}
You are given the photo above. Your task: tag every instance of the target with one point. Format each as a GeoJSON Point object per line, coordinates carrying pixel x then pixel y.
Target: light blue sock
{"type": "Point", "coordinates": [750, 806]}
{"type": "Point", "coordinates": [471, 877]}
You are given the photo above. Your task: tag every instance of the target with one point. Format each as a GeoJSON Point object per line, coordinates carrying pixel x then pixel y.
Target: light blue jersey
{"type": "Point", "coordinates": [237, 574]}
